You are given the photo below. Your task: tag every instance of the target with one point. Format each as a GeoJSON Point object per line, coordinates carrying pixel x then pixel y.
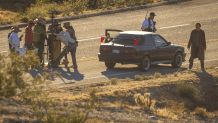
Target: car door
{"type": "Point", "coordinates": [162, 51]}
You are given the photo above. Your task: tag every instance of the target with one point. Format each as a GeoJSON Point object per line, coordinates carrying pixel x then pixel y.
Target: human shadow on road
{"type": "Point", "coordinates": [65, 74]}
{"type": "Point", "coordinates": [123, 72]}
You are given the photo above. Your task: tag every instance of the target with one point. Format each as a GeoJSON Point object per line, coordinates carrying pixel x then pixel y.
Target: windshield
{"type": "Point", "coordinates": [140, 39]}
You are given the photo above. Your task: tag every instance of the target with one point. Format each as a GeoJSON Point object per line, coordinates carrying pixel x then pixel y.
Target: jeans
{"type": "Point", "coordinates": [192, 59]}
{"type": "Point", "coordinates": [72, 48]}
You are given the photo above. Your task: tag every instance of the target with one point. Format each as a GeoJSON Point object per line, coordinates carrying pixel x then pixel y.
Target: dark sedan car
{"type": "Point", "coordinates": [140, 48]}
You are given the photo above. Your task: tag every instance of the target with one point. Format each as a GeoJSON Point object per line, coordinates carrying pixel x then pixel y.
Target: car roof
{"type": "Point", "coordinates": [137, 32]}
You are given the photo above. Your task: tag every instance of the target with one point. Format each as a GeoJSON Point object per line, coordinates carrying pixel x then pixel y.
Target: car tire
{"type": "Point", "coordinates": [110, 65]}
{"type": "Point", "coordinates": [177, 61]}
{"type": "Point", "coordinates": [145, 64]}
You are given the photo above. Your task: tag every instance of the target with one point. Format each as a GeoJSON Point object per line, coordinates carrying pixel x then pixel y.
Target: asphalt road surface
{"type": "Point", "coordinates": [174, 22]}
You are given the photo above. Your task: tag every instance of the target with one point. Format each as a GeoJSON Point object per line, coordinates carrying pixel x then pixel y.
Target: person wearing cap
{"type": "Point", "coordinates": [29, 35]}
{"type": "Point", "coordinates": [149, 24]}
{"type": "Point", "coordinates": [14, 40]}
{"type": "Point", "coordinates": [39, 36]}
{"type": "Point", "coordinates": [197, 42]}
{"type": "Point", "coordinates": [70, 44]}
{"type": "Point", "coordinates": [71, 31]}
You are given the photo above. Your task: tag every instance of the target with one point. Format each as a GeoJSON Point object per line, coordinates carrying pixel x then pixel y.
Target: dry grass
{"type": "Point", "coordinates": [92, 85]}
{"type": "Point", "coordinates": [54, 89]}
{"type": "Point", "coordinates": [138, 78]}
{"type": "Point", "coordinates": [6, 16]}
{"type": "Point", "coordinates": [201, 111]}
{"type": "Point", "coordinates": [166, 114]}
{"type": "Point", "coordinates": [114, 81]}
{"type": "Point", "coordinates": [94, 120]}
{"type": "Point", "coordinates": [157, 75]}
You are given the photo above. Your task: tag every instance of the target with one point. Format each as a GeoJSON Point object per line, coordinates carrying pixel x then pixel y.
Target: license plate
{"type": "Point", "coordinates": [115, 51]}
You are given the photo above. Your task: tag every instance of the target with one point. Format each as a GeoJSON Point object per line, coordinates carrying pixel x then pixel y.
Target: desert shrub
{"type": "Point", "coordinates": [92, 85]}
{"type": "Point", "coordinates": [147, 77]}
{"type": "Point", "coordinates": [186, 90]}
{"type": "Point", "coordinates": [12, 68]}
{"type": "Point", "coordinates": [138, 77]}
{"type": "Point", "coordinates": [143, 101]}
{"type": "Point", "coordinates": [175, 74]}
{"type": "Point", "coordinates": [201, 111]}
{"type": "Point", "coordinates": [24, 19]}
{"type": "Point", "coordinates": [114, 81]}
{"type": "Point", "coordinates": [13, 83]}
{"type": "Point", "coordinates": [157, 75]}
{"type": "Point", "coordinates": [127, 79]}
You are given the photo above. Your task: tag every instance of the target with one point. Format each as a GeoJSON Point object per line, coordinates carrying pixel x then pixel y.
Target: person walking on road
{"type": "Point", "coordinates": [71, 31]}
{"type": "Point", "coordinates": [70, 46]}
{"type": "Point", "coordinates": [14, 40]}
{"type": "Point", "coordinates": [38, 36]}
{"type": "Point", "coordinates": [29, 35]}
{"type": "Point", "coordinates": [197, 42]}
{"type": "Point", "coordinates": [149, 24]}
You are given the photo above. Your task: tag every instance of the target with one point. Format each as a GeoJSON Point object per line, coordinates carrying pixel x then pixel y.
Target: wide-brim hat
{"type": "Point", "coordinates": [66, 24]}
{"type": "Point", "coordinates": [40, 20]}
{"type": "Point", "coordinates": [16, 28]}
{"type": "Point", "coordinates": [152, 14]}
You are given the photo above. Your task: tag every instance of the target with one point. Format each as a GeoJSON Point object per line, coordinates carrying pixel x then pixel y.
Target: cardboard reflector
{"type": "Point", "coordinates": [102, 39]}
{"type": "Point", "coordinates": [136, 42]}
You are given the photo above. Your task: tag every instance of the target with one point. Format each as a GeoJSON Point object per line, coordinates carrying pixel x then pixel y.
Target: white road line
{"type": "Point", "coordinates": [4, 51]}
{"type": "Point", "coordinates": [89, 39]}
{"type": "Point", "coordinates": [174, 26]}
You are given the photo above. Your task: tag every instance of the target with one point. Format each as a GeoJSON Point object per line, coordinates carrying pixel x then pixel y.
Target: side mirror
{"type": "Point", "coordinates": [168, 43]}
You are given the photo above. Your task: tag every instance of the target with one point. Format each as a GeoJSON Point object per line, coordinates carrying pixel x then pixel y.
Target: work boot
{"type": "Point", "coordinates": [202, 66]}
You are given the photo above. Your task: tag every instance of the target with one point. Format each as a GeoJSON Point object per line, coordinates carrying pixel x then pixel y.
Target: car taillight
{"type": "Point", "coordinates": [108, 49]}
{"type": "Point", "coordinates": [122, 51]}
{"type": "Point", "coordinates": [130, 51]}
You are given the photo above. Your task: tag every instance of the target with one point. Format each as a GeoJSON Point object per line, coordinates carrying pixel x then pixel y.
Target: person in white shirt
{"type": "Point", "coordinates": [14, 40]}
{"type": "Point", "coordinates": [149, 24]}
{"type": "Point", "coordinates": [70, 44]}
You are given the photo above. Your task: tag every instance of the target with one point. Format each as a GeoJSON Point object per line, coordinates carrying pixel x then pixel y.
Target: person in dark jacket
{"type": "Point", "coordinates": [197, 42]}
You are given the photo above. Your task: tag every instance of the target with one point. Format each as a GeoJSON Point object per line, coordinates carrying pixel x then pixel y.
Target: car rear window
{"type": "Point", "coordinates": [140, 39]}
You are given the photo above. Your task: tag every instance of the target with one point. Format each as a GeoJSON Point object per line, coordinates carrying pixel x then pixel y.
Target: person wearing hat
{"type": "Point", "coordinates": [29, 35]}
{"type": "Point", "coordinates": [39, 36]}
{"type": "Point", "coordinates": [70, 44]}
{"type": "Point", "coordinates": [149, 24]}
{"type": "Point", "coordinates": [14, 40]}
{"type": "Point", "coordinates": [71, 31]}
{"type": "Point", "coordinates": [56, 43]}
{"type": "Point", "coordinates": [9, 34]}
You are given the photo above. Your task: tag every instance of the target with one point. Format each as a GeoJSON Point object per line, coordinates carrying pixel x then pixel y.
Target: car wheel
{"type": "Point", "coordinates": [145, 65]}
{"type": "Point", "coordinates": [177, 60]}
{"type": "Point", "coordinates": [109, 64]}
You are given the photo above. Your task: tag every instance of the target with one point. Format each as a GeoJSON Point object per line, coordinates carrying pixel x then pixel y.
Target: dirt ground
{"type": "Point", "coordinates": [116, 102]}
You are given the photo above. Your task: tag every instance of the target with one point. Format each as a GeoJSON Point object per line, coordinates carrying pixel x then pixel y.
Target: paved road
{"type": "Point", "coordinates": [174, 23]}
